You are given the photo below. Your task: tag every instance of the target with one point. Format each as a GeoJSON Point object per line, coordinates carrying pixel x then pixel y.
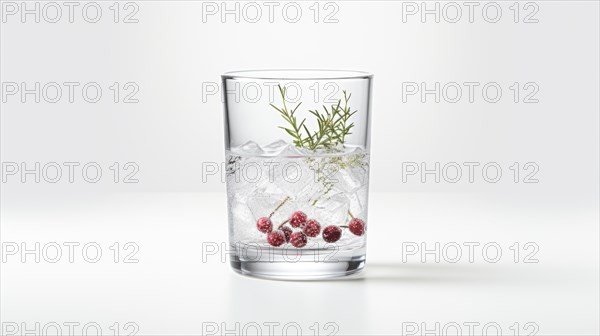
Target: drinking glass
{"type": "Point", "coordinates": [297, 171]}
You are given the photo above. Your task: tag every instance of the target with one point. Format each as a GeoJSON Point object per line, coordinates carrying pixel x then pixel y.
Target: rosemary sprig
{"type": "Point", "coordinates": [325, 135]}
{"type": "Point", "coordinates": [344, 128]}
{"type": "Point", "coordinates": [295, 130]}
{"type": "Point", "coordinates": [333, 126]}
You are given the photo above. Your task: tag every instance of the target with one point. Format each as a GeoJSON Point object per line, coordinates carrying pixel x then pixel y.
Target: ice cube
{"type": "Point", "coordinates": [281, 148]}
{"type": "Point", "coordinates": [351, 150]}
{"type": "Point", "coordinates": [311, 193]}
{"type": "Point", "coordinates": [240, 213]}
{"type": "Point", "coordinates": [275, 148]}
{"type": "Point", "coordinates": [292, 151]}
{"type": "Point", "coordinates": [262, 205]}
{"type": "Point", "coordinates": [265, 205]}
{"type": "Point", "coordinates": [358, 201]}
{"type": "Point", "coordinates": [243, 224]}
{"type": "Point", "coordinates": [363, 197]}
{"type": "Point", "coordinates": [239, 182]}
{"type": "Point", "coordinates": [350, 179]}
{"type": "Point", "coordinates": [294, 176]}
{"type": "Point", "coordinates": [249, 148]}
{"type": "Point", "coordinates": [331, 209]}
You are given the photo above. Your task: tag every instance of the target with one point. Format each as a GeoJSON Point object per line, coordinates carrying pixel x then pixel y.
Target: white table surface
{"type": "Point", "coordinates": [171, 291]}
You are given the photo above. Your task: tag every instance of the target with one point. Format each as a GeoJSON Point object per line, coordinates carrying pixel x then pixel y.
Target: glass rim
{"type": "Point", "coordinates": [297, 74]}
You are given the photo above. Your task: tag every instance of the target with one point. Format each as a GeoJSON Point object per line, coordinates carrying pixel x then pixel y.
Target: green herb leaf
{"type": "Point", "coordinates": [332, 124]}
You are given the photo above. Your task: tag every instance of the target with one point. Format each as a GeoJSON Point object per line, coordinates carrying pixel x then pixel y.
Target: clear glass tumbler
{"type": "Point", "coordinates": [297, 171]}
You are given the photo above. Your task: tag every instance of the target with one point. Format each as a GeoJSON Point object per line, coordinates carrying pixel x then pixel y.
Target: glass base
{"type": "Point", "coordinates": [306, 270]}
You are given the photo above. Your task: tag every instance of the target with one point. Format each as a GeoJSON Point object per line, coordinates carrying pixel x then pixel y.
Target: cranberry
{"type": "Point", "coordinates": [287, 232]}
{"type": "Point", "coordinates": [312, 228]}
{"type": "Point", "coordinates": [276, 238]}
{"type": "Point", "coordinates": [298, 239]}
{"type": "Point", "coordinates": [264, 225]}
{"type": "Point", "coordinates": [357, 226]}
{"type": "Point", "coordinates": [298, 219]}
{"type": "Point", "coordinates": [332, 233]}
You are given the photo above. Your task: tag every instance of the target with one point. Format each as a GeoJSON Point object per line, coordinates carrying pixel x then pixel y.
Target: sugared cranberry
{"type": "Point", "coordinates": [276, 238]}
{"type": "Point", "coordinates": [312, 228]}
{"type": "Point", "coordinates": [298, 239]}
{"type": "Point", "coordinates": [332, 233]}
{"type": "Point", "coordinates": [264, 225]}
{"type": "Point", "coordinates": [357, 226]}
{"type": "Point", "coordinates": [287, 232]}
{"type": "Point", "coordinates": [298, 219]}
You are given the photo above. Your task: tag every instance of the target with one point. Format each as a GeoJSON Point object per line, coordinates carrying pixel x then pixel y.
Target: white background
{"type": "Point", "coordinates": [173, 52]}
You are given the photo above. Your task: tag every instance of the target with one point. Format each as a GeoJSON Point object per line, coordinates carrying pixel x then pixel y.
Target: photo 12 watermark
{"type": "Point", "coordinates": [286, 12]}
{"type": "Point", "coordinates": [70, 252]}
{"type": "Point", "coordinates": [313, 251]}
{"type": "Point", "coordinates": [470, 12]}
{"type": "Point", "coordinates": [54, 12]}
{"type": "Point", "coordinates": [70, 328]}
{"type": "Point", "coordinates": [469, 328]}
{"type": "Point", "coordinates": [70, 92]}
{"type": "Point", "coordinates": [269, 328]}
{"type": "Point", "coordinates": [326, 92]}
{"type": "Point", "coordinates": [69, 172]}
{"type": "Point", "coordinates": [470, 252]}
{"type": "Point", "coordinates": [470, 92]}
{"type": "Point", "coordinates": [469, 172]}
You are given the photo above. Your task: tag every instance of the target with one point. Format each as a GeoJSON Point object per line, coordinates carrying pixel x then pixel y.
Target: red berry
{"type": "Point", "coordinates": [276, 238]}
{"type": "Point", "coordinates": [298, 239]}
{"type": "Point", "coordinates": [264, 225]}
{"type": "Point", "coordinates": [312, 228]}
{"type": "Point", "coordinates": [332, 233]}
{"type": "Point", "coordinates": [287, 232]}
{"type": "Point", "coordinates": [357, 226]}
{"type": "Point", "coordinates": [298, 219]}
